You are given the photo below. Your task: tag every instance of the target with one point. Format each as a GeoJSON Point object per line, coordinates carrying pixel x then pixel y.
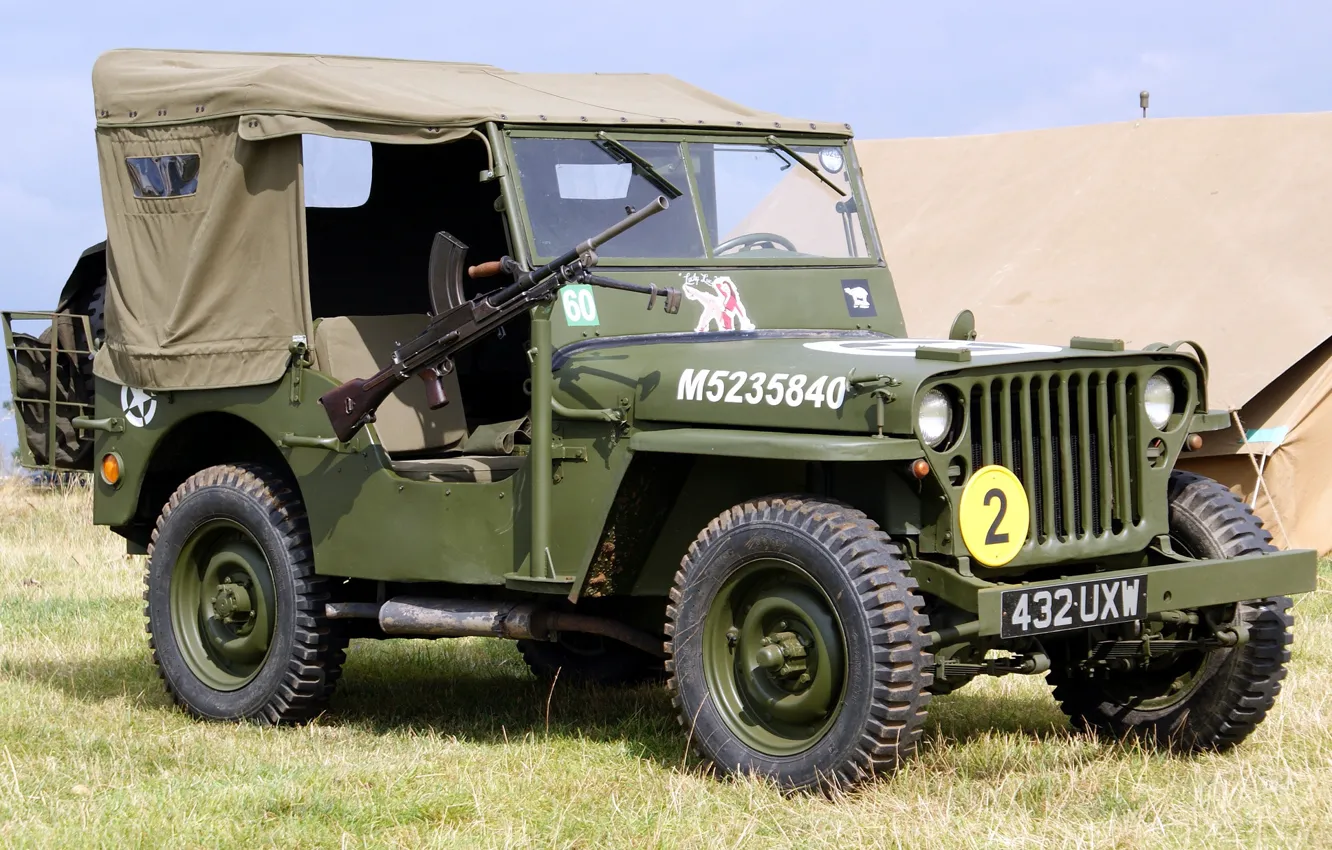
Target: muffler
{"type": "Point", "coordinates": [423, 615]}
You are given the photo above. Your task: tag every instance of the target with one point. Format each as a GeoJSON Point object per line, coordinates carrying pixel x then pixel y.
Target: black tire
{"type": "Point", "coordinates": [590, 659]}
{"type": "Point", "coordinates": [91, 303]}
{"type": "Point", "coordinates": [33, 370]}
{"type": "Point", "coordinates": [861, 578]}
{"type": "Point", "coordinates": [304, 652]}
{"type": "Point", "coordinates": [1230, 691]}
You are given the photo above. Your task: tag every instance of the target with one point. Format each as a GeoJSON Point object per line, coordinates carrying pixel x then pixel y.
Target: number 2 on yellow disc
{"type": "Point", "coordinates": [994, 515]}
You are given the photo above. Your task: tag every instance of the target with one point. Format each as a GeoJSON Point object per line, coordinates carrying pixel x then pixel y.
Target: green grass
{"type": "Point", "coordinates": [449, 743]}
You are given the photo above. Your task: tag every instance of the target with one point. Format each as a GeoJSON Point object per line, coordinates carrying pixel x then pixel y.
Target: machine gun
{"type": "Point", "coordinates": [457, 322]}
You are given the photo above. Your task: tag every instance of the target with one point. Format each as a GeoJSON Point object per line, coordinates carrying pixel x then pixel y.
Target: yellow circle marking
{"type": "Point", "coordinates": [994, 515]}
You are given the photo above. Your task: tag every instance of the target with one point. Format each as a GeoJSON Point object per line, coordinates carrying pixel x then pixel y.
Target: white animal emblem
{"type": "Point", "coordinates": [139, 405]}
{"type": "Point", "coordinates": [859, 297]}
{"type": "Point", "coordinates": [722, 306]}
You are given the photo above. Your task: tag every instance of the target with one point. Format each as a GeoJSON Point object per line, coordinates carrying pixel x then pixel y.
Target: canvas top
{"type": "Point", "coordinates": [208, 279]}
{"type": "Point", "coordinates": [161, 87]}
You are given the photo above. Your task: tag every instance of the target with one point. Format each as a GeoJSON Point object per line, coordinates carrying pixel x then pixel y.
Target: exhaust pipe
{"type": "Point", "coordinates": [422, 616]}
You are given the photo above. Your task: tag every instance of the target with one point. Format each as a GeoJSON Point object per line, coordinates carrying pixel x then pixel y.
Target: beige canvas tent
{"type": "Point", "coordinates": [1213, 230]}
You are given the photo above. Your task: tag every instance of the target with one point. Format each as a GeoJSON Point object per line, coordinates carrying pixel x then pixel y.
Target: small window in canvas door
{"type": "Point", "coordinates": [170, 176]}
{"type": "Point", "coordinates": [337, 171]}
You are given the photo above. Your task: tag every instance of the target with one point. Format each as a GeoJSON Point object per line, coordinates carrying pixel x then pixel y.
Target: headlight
{"type": "Point", "coordinates": [935, 417]}
{"type": "Point", "coordinates": [1158, 399]}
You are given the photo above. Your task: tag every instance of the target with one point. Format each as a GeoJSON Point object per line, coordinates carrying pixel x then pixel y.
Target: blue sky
{"type": "Point", "coordinates": [888, 68]}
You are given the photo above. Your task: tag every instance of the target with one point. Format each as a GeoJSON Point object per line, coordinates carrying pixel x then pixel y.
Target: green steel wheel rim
{"type": "Point", "coordinates": [223, 605]}
{"type": "Point", "coordinates": [1171, 681]}
{"type": "Point", "coordinates": [1157, 689]}
{"type": "Point", "coordinates": [774, 657]}
{"type": "Point", "coordinates": [1167, 683]}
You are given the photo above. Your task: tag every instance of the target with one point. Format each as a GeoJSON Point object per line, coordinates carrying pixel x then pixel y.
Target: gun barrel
{"type": "Point", "coordinates": [657, 205]}
{"type": "Point", "coordinates": [526, 280]}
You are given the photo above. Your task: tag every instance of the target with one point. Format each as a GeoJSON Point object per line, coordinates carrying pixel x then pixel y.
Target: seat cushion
{"type": "Point", "coordinates": [469, 468]}
{"type": "Point", "coordinates": [357, 347]}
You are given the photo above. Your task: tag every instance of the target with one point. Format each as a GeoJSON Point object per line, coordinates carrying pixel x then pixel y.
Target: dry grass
{"type": "Point", "coordinates": [446, 744]}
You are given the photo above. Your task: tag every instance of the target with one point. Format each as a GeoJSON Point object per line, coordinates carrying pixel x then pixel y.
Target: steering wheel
{"type": "Point", "coordinates": [755, 240]}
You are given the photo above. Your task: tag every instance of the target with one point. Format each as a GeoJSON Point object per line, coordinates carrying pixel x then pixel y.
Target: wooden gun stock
{"type": "Point", "coordinates": [353, 404]}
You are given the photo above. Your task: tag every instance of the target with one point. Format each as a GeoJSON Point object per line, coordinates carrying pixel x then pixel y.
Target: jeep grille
{"type": "Point", "coordinates": [1072, 439]}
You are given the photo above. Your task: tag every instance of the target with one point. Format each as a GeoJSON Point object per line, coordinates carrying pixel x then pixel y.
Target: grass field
{"type": "Point", "coordinates": [453, 743]}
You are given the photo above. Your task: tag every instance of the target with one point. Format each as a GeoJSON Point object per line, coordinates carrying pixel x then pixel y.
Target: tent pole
{"type": "Point", "coordinates": [1261, 482]}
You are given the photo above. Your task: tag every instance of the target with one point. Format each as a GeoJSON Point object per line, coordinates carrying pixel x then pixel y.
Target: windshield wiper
{"type": "Point", "coordinates": [809, 166]}
{"type": "Point", "coordinates": [621, 151]}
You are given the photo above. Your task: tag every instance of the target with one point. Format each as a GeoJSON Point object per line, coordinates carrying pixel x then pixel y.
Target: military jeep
{"type": "Point", "coordinates": [723, 463]}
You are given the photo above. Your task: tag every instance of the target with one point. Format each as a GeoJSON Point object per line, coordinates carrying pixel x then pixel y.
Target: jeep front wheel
{"type": "Point", "coordinates": [1200, 697]}
{"type": "Point", "coordinates": [797, 644]}
{"type": "Point", "coordinates": [235, 612]}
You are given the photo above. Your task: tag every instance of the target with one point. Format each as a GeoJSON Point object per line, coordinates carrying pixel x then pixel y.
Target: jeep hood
{"type": "Point", "coordinates": [819, 381]}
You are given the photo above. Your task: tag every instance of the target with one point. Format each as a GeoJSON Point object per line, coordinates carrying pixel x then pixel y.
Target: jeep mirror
{"type": "Point", "coordinates": [964, 326]}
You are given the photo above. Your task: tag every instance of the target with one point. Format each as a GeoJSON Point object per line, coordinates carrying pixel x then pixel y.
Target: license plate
{"type": "Point", "coordinates": [1075, 605]}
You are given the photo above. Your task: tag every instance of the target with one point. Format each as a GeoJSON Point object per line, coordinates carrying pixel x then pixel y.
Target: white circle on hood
{"type": "Point", "coordinates": [907, 347]}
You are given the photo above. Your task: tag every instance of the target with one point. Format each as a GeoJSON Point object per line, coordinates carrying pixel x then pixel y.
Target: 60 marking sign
{"type": "Point", "coordinates": [740, 387]}
{"type": "Point", "coordinates": [580, 305]}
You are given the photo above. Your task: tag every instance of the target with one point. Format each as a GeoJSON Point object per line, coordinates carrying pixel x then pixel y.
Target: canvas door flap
{"type": "Point", "coordinates": [205, 289]}
{"type": "Point", "coordinates": [142, 266]}
{"type": "Point", "coordinates": [256, 128]}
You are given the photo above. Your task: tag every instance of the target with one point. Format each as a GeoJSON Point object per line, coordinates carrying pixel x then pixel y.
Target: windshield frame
{"type": "Point", "coordinates": [870, 238]}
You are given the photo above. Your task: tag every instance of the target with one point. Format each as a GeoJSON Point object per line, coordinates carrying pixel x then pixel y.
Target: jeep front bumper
{"type": "Point", "coordinates": [1170, 587]}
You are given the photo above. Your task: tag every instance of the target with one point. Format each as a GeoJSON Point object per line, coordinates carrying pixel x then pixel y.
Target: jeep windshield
{"type": "Point", "coordinates": [756, 202]}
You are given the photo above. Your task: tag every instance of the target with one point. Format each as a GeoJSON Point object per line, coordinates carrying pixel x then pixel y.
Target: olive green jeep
{"type": "Point", "coordinates": [725, 465]}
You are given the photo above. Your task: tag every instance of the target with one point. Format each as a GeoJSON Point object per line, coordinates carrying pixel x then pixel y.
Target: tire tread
{"type": "Point", "coordinates": [1250, 679]}
{"type": "Point", "coordinates": [887, 593]}
{"type": "Point", "coordinates": [319, 649]}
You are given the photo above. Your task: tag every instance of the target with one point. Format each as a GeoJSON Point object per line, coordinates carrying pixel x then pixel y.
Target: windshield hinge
{"type": "Point", "coordinates": [300, 360]}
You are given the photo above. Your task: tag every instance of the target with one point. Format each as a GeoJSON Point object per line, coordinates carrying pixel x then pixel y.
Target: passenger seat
{"type": "Point", "coordinates": [349, 347]}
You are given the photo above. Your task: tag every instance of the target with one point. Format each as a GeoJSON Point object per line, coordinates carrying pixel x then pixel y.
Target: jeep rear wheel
{"type": "Point", "coordinates": [1196, 699]}
{"type": "Point", "coordinates": [235, 612]}
{"type": "Point", "coordinates": [797, 644]}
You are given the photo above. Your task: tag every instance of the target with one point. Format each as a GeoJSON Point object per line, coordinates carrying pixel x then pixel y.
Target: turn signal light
{"type": "Point", "coordinates": [1194, 442]}
{"type": "Point", "coordinates": [920, 468]}
{"type": "Point", "coordinates": [111, 469]}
